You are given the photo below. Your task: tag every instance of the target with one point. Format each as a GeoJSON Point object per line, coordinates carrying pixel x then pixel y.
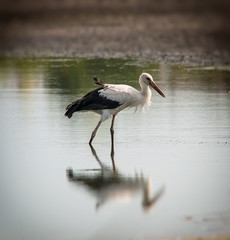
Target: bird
{"type": "Point", "coordinates": [109, 99]}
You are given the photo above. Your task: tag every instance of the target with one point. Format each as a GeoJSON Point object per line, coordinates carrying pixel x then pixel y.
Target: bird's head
{"type": "Point", "coordinates": [147, 79]}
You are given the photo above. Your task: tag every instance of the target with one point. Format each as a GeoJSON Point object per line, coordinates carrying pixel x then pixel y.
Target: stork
{"type": "Point", "coordinates": [110, 99]}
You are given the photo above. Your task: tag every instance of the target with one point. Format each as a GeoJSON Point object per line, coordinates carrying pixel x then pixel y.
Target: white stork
{"type": "Point", "coordinates": [110, 99]}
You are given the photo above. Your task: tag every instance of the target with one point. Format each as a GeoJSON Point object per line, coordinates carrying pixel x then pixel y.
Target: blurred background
{"type": "Point", "coordinates": [187, 32]}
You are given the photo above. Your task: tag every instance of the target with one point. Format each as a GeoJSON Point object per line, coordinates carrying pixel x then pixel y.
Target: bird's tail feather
{"type": "Point", "coordinates": [71, 108]}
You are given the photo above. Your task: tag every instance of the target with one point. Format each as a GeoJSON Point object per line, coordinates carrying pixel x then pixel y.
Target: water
{"type": "Point", "coordinates": [169, 176]}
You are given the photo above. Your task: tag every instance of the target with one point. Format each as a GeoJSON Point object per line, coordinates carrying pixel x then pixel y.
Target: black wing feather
{"type": "Point", "coordinates": [91, 101]}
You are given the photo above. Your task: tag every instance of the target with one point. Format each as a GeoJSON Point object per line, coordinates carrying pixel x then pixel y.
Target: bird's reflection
{"type": "Point", "coordinates": [108, 184]}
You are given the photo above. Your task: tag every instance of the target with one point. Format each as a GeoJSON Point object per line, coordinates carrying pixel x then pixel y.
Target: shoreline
{"type": "Point", "coordinates": [159, 58]}
{"type": "Point", "coordinates": [173, 38]}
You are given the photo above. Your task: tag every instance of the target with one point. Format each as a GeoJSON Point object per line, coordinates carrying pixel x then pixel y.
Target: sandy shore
{"type": "Point", "coordinates": [178, 38]}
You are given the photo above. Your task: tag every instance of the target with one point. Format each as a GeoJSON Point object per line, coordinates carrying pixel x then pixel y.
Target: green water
{"type": "Point", "coordinates": [170, 174]}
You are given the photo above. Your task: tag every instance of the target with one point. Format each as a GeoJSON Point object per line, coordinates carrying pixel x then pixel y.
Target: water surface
{"type": "Point", "coordinates": [169, 176]}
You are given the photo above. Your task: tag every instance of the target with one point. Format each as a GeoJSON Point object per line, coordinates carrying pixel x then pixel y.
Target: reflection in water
{"type": "Point", "coordinates": [187, 148]}
{"type": "Point", "coordinates": [108, 184]}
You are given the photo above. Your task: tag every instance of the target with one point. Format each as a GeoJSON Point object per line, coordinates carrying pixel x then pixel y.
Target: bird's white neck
{"type": "Point", "coordinates": [146, 94]}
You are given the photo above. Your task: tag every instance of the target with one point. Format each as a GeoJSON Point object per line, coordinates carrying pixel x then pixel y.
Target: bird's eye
{"type": "Point", "coordinates": [149, 80]}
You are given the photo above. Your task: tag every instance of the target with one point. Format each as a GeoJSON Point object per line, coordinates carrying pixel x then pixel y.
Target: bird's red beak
{"type": "Point", "coordinates": [153, 85]}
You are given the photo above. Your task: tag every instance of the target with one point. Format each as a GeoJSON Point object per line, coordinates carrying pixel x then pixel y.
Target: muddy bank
{"type": "Point", "coordinates": [181, 38]}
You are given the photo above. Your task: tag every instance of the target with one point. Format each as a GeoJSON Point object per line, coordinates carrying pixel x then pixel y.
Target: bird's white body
{"type": "Point", "coordinates": [127, 97]}
{"type": "Point", "coordinates": [110, 99]}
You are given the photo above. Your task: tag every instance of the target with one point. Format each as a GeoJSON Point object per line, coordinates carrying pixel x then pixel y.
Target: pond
{"type": "Point", "coordinates": [169, 176]}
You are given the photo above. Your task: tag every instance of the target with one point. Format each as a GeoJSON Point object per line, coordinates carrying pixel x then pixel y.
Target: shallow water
{"type": "Point", "coordinates": [169, 177]}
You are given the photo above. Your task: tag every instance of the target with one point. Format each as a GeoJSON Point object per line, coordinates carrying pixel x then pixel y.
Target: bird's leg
{"type": "Point", "coordinates": [113, 161]}
{"type": "Point", "coordinates": [94, 132]}
{"type": "Point", "coordinates": [112, 135]}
